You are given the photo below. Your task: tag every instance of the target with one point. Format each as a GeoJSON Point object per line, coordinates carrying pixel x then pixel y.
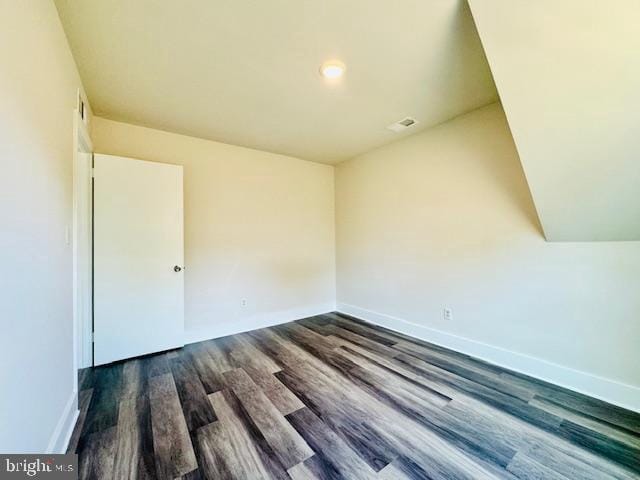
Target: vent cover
{"type": "Point", "coordinates": [403, 124]}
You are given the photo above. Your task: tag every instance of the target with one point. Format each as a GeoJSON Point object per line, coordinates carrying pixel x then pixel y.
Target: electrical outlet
{"type": "Point", "coordinates": [243, 302]}
{"type": "Point", "coordinates": [447, 314]}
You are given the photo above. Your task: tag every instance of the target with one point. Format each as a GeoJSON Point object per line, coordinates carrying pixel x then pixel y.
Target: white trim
{"type": "Point", "coordinates": [62, 433]}
{"type": "Point", "coordinates": [254, 322]}
{"type": "Point", "coordinates": [81, 337]}
{"type": "Point", "coordinates": [611, 391]}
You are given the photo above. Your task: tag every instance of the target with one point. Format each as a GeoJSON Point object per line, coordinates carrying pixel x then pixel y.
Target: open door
{"type": "Point", "coordinates": [138, 258]}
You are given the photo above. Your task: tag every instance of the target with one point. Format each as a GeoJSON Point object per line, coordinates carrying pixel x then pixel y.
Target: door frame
{"type": "Point", "coordinates": [82, 321]}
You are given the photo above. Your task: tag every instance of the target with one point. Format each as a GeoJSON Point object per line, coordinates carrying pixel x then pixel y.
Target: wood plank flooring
{"type": "Point", "coordinates": [331, 397]}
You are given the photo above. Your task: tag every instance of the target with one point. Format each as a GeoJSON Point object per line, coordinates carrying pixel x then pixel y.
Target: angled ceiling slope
{"type": "Point", "coordinates": [568, 75]}
{"type": "Point", "coordinates": [246, 72]}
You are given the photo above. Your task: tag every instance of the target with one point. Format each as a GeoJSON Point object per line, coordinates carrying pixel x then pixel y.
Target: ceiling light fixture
{"type": "Point", "coordinates": [332, 69]}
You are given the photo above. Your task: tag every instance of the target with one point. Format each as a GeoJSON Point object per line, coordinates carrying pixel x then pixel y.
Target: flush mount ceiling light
{"type": "Point", "coordinates": [332, 69]}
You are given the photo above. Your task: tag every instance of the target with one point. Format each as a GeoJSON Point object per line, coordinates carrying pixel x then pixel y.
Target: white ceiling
{"type": "Point", "coordinates": [568, 74]}
{"type": "Point", "coordinates": [246, 72]}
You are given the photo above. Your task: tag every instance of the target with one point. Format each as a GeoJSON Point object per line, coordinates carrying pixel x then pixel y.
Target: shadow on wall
{"type": "Point", "coordinates": [509, 179]}
{"type": "Point", "coordinates": [466, 199]}
{"type": "Point", "coordinates": [513, 182]}
{"type": "Point", "coordinates": [460, 50]}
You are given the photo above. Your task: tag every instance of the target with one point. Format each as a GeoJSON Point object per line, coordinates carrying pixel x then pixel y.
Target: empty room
{"type": "Point", "coordinates": [320, 239]}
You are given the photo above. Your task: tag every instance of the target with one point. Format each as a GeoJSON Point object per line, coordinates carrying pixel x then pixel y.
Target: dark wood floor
{"type": "Point", "coordinates": [330, 397]}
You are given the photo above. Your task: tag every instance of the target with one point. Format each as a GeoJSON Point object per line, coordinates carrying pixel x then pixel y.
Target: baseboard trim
{"type": "Point", "coordinates": [254, 322]}
{"type": "Point", "coordinates": [62, 433]}
{"type": "Point", "coordinates": [610, 391]}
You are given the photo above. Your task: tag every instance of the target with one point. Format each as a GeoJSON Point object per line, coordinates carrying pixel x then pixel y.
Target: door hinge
{"type": "Point", "coordinates": [93, 172]}
{"type": "Point", "coordinates": [93, 337]}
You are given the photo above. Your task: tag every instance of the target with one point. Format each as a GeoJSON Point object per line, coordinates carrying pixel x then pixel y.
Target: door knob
{"type": "Point", "coordinates": [177, 268]}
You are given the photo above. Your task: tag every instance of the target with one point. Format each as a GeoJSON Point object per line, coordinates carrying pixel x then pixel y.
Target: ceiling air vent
{"type": "Point", "coordinates": [403, 124]}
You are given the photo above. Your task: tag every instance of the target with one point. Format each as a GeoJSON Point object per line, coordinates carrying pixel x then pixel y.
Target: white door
{"type": "Point", "coordinates": [138, 258]}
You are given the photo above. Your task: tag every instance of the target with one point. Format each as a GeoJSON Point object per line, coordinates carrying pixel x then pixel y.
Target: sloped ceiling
{"type": "Point", "coordinates": [246, 72]}
{"type": "Point", "coordinates": [568, 75]}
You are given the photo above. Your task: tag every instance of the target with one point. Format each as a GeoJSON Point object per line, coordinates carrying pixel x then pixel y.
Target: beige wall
{"type": "Point", "coordinates": [445, 219]}
{"type": "Point", "coordinates": [38, 85]}
{"type": "Point", "coordinates": [568, 74]}
{"type": "Point", "coordinates": [258, 226]}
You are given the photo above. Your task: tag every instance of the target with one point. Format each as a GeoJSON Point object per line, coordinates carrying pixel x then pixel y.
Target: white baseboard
{"type": "Point", "coordinates": [62, 433]}
{"type": "Point", "coordinates": [611, 391]}
{"type": "Point", "coordinates": [254, 322]}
